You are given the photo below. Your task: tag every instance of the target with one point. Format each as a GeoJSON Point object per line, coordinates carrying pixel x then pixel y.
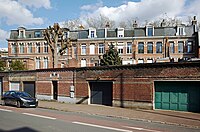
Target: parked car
{"type": "Point", "coordinates": [19, 99]}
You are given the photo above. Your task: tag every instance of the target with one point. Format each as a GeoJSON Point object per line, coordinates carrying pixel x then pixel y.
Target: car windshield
{"type": "Point", "coordinates": [23, 94]}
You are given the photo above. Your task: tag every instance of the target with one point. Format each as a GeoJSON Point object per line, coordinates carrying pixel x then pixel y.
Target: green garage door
{"type": "Point", "coordinates": [177, 95]}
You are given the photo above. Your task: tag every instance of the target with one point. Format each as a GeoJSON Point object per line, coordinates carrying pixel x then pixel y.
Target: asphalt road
{"type": "Point", "coordinates": [44, 120]}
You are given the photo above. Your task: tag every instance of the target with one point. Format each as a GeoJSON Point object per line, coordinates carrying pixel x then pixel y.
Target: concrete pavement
{"type": "Point", "coordinates": [186, 119]}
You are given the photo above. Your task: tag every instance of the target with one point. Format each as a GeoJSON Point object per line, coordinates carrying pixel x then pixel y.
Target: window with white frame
{"type": "Point", "coordinates": [120, 49]}
{"type": "Point", "coordinates": [83, 63]}
{"type": "Point", "coordinates": [171, 47]}
{"type": "Point", "coordinates": [150, 47]}
{"type": "Point", "coordinates": [140, 47]}
{"type": "Point", "coordinates": [180, 30]}
{"type": "Point", "coordinates": [37, 63]}
{"type": "Point", "coordinates": [14, 48]}
{"type": "Point", "coordinates": [62, 65]}
{"type": "Point", "coordinates": [37, 34]}
{"type": "Point", "coordinates": [140, 61]}
{"type": "Point", "coordinates": [92, 49]}
{"type": "Point", "coordinates": [180, 46]}
{"type": "Point", "coordinates": [45, 48]}
{"type": "Point", "coordinates": [21, 47]}
{"type": "Point", "coordinates": [30, 49]}
{"type": "Point", "coordinates": [45, 62]}
{"type": "Point", "coordinates": [37, 47]}
{"type": "Point", "coordinates": [101, 48]}
{"type": "Point", "coordinates": [159, 47]}
{"type": "Point", "coordinates": [149, 30]}
{"type": "Point", "coordinates": [83, 49]}
{"type": "Point", "coordinates": [189, 47]}
{"type": "Point", "coordinates": [66, 51]}
{"type": "Point", "coordinates": [129, 48]}
{"type": "Point", "coordinates": [149, 60]}
{"type": "Point", "coordinates": [92, 33]}
{"type": "Point", "coordinates": [120, 32]}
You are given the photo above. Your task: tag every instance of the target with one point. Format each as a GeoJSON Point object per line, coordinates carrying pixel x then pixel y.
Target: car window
{"type": "Point", "coordinates": [23, 94]}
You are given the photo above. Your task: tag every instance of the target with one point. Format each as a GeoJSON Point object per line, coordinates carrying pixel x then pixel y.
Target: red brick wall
{"type": "Point", "coordinates": [43, 88]}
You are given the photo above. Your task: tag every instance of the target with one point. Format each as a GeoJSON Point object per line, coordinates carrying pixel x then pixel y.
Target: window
{"type": "Point", "coordinates": [180, 30]}
{"type": "Point", "coordinates": [120, 32]}
{"type": "Point", "coordinates": [171, 47]}
{"type": "Point", "coordinates": [149, 31]}
{"type": "Point", "coordinates": [37, 63]}
{"type": "Point", "coordinates": [21, 34]}
{"type": "Point", "coordinates": [92, 49]}
{"type": "Point", "coordinates": [75, 51]}
{"type": "Point", "coordinates": [150, 61]}
{"type": "Point", "coordinates": [66, 34]}
{"type": "Point", "coordinates": [29, 35]}
{"type": "Point", "coordinates": [140, 47]}
{"type": "Point", "coordinates": [21, 47]}
{"type": "Point", "coordinates": [66, 51]}
{"type": "Point", "coordinates": [140, 61]}
{"type": "Point", "coordinates": [101, 48]}
{"type": "Point", "coordinates": [159, 47]}
{"type": "Point", "coordinates": [14, 48]}
{"type": "Point", "coordinates": [120, 49]}
{"type": "Point", "coordinates": [149, 47]}
{"type": "Point", "coordinates": [129, 48]}
{"type": "Point", "coordinates": [45, 48]}
{"type": "Point", "coordinates": [180, 47]}
{"type": "Point", "coordinates": [83, 63]}
{"type": "Point", "coordinates": [30, 48]}
{"type": "Point", "coordinates": [83, 49]}
{"type": "Point", "coordinates": [62, 65]}
{"type": "Point", "coordinates": [45, 62]}
{"type": "Point", "coordinates": [92, 34]}
{"type": "Point", "coordinates": [37, 47]}
{"type": "Point", "coordinates": [189, 47]}
{"type": "Point", "coordinates": [37, 34]}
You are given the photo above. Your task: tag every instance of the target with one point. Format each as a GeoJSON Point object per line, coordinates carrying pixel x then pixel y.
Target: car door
{"type": "Point", "coordinates": [12, 98]}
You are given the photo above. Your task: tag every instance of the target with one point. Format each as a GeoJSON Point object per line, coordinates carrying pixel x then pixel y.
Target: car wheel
{"type": "Point", "coordinates": [18, 104]}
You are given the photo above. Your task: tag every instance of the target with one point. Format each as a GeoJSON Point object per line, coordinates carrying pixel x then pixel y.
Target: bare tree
{"type": "Point", "coordinates": [99, 22]}
{"type": "Point", "coordinates": [72, 24]}
{"type": "Point", "coordinates": [53, 35]}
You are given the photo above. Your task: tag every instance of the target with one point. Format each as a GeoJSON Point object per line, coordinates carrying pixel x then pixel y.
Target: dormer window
{"type": "Point", "coordinates": [180, 30]}
{"type": "Point", "coordinates": [37, 34]}
{"type": "Point", "coordinates": [92, 33]}
{"type": "Point", "coordinates": [149, 30]}
{"type": "Point", "coordinates": [21, 33]}
{"type": "Point", "coordinates": [120, 32]}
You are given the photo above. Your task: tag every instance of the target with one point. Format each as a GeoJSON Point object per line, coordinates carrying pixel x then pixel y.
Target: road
{"type": "Point", "coordinates": [44, 120]}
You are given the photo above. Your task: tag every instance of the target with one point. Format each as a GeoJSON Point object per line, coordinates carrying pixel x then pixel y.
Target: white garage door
{"type": "Point", "coordinates": [14, 86]}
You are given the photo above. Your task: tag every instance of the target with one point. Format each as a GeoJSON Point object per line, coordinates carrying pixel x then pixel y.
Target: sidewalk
{"type": "Point", "coordinates": [186, 119]}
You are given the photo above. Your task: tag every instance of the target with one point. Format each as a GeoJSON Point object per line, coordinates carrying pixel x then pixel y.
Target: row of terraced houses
{"type": "Point", "coordinates": [147, 44]}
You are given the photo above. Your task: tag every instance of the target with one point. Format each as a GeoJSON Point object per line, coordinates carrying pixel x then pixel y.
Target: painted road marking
{"type": "Point", "coordinates": [141, 129]}
{"type": "Point", "coordinates": [6, 110]}
{"type": "Point", "coordinates": [105, 127]}
{"type": "Point", "coordinates": [47, 117]}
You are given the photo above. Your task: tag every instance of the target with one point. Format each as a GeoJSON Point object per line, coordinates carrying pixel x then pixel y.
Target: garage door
{"type": "Point", "coordinates": [182, 96]}
{"type": "Point", "coordinates": [14, 86]}
{"type": "Point", "coordinates": [29, 87]}
{"type": "Point", "coordinates": [101, 93]}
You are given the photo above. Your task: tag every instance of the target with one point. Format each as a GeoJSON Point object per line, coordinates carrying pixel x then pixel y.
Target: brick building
{"type": "Point", "coordinates": [147, 44]}
{"type": "Point", "coordinates": [170, 86]}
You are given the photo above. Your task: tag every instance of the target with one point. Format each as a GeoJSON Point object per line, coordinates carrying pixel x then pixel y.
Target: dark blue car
{"type": "Point", "coordinates": [19, 99]}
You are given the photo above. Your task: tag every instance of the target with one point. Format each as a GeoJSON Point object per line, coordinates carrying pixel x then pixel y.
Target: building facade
{"type": "Point", "coordinates": [169, 86]}
{"type": "Point", "coordinates": [147, 44]}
